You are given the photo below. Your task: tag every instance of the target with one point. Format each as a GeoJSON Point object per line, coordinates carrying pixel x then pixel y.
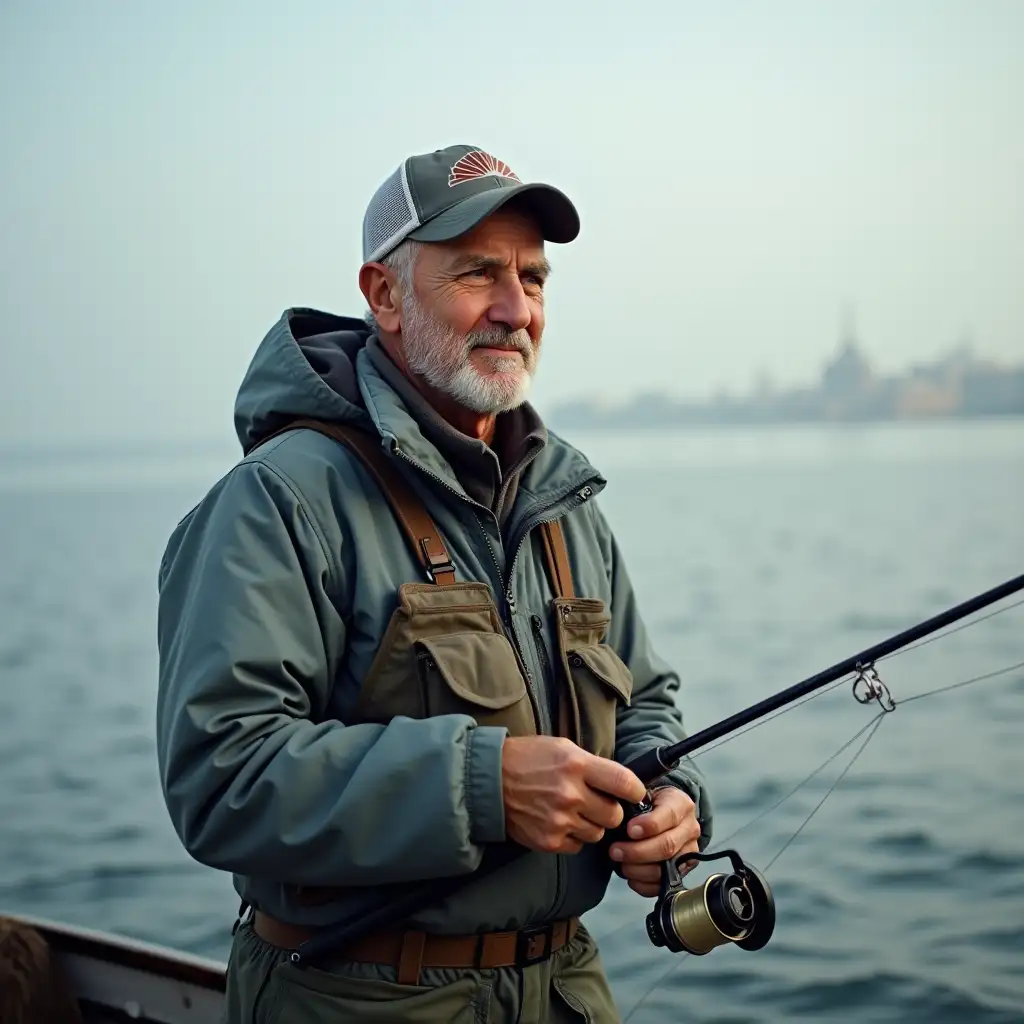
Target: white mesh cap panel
{"type": "Point", "coordinates": [389, 217]}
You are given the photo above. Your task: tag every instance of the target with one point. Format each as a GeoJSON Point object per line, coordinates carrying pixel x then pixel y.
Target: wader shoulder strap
{"type": "Point", "coordinates": [557, 556]}
{"type": "Point", "coordinates": [419, 528]}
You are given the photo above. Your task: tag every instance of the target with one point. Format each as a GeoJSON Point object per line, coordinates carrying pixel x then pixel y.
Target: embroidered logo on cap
{"type": "Point", "coordinates": [479, 164]}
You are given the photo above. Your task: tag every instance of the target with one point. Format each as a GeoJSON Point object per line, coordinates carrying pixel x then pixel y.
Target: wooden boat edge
{"type": "Point", "coordinates": [128, 952]}
{"type": "Point", "coordinates": [115, 977]}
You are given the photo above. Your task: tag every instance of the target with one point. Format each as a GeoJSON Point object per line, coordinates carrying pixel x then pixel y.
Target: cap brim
{"type": "Point", "coordinates": [555, 213]}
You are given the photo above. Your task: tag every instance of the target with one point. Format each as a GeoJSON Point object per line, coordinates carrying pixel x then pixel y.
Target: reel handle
{"type": "Point", "coordinates": [682, 918]}
{"type": "Point", "coordinates": [671, 875]}
{"type": "Point", "coordinates": [737, 908]}
{"type": "Point", "coordinates": [629, 812]}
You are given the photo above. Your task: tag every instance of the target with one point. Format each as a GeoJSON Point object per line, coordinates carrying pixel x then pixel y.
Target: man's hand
{"type": "Point", "coordinates": [665, 832]}
{"type": "Point", "coordinates": [558, 796]}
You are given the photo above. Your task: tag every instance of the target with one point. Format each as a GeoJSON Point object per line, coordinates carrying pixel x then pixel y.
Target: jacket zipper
{"type": "Point", "coordinates": [537, 623]}
{"type": "Point", "coordinates": [507, 596]}
{"type": "Point", "coordinates": [548, 678]}
{"type": "Point", "coordinates": [510, 628]}
{"type": "Point", "coordinates": [427, 666]}
{"type": "Point", "coordinates": [580, 496]}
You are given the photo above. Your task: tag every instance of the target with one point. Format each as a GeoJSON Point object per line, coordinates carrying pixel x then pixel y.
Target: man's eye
{"type": "Point", "coordinates": [477, 272]}
{"type": "Point", "coordinates": [535, 279]}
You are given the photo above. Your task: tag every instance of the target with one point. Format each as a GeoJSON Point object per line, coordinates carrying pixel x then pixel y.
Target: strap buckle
{"type": "Point", "coordinates": [533, 945]}
{"type": "Point", "coordinates": [436, 563]}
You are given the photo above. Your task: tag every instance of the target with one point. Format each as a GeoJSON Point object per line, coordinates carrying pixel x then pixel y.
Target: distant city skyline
{"type": "Point", "coordinates": [848, 388]}
{"type": "Point", "coordinates": [757, 377]}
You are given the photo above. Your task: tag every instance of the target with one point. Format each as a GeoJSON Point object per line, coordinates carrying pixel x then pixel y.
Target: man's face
{"type": "Point", "coordinates": [472, 326]}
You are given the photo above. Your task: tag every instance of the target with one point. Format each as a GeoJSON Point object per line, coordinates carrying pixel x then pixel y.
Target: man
{"type": "Point", "coordinates": [333, 720]}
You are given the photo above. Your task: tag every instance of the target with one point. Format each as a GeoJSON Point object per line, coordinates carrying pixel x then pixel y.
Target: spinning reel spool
{"type": "Point", "coordinates": [737, 907]}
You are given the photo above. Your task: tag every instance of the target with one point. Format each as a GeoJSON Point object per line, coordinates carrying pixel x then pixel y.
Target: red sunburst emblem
{"type": "Point", "coordinates": [476, 165]}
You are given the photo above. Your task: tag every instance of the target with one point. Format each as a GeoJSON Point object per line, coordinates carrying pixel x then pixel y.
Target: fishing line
{"type": "Point", "coordinates": [965, 682]}
{"type": "Point", "coordinates": [778, 803]}
{"type": "Point", "coordinates": [874, 723]}
{"type": "Point", "coordinates": [723, 842]}
{"type": "Point", "coordinates": [743, 903]}
{"type": "Point", "coordinates": [839, 682]}
{"type": "Point", "coordinates": [767, 718]}
{"type": "Point", "coordinates": [950, 632]}
{"type": "Point", "coordinates": [873, 727]}
{"type": "Point", "coordinates": [853, 739]}
{"type": "Point", "coordinates": [657, 984]}
{"type": "Point", "coordinates": [689, 934]}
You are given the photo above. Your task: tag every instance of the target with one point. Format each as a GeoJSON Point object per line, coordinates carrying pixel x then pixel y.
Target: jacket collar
{"type": "Point", "coordinates": [556, 473]}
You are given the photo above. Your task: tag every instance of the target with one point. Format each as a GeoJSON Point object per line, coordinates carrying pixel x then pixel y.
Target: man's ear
{"type": "Point", "coordinates": [383, 295]}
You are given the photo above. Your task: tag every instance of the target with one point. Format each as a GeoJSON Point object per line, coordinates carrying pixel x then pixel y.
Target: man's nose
{"type": "Point", "coordinates": [510, 306]}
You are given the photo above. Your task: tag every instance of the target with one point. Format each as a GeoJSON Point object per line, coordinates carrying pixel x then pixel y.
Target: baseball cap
{"type": "Point", "coordinates": [434, 197]}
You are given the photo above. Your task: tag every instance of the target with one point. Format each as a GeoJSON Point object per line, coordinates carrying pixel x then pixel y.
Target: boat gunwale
{"type": "Point", "coordinates": [108, 947]}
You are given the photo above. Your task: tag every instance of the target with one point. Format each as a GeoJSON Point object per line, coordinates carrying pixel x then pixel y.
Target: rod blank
{"type": "Point", "coordinates": [655, 763]}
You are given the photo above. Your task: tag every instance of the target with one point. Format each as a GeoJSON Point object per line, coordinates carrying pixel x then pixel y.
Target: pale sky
{"type": "Point", "coordinates": [174, 175]}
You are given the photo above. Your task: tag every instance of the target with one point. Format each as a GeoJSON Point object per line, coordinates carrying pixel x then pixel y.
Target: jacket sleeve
{"type": "Point", "coordinates": [653, 716]}
{"type": "Point", "coordinates": [257, 779]}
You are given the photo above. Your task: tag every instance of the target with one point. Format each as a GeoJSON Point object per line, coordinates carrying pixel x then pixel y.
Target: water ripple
{"type": "Point", "coordinates": [989, 861]}
{"type": "Point", "coordinates": [913, 841]}
{"type": "Point", "coordinates": [98, 873]}
{"type": "Point", "coordinates": [907, 999]}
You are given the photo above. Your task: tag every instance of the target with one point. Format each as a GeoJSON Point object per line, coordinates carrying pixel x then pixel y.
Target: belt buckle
{"type": "Point", "coordinates": [526, 945]}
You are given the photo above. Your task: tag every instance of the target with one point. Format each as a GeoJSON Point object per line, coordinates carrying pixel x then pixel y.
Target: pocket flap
{"type": "Point", "coordinates": [607, 666]}
{"type": "Point", "coordinates": [478, 667]}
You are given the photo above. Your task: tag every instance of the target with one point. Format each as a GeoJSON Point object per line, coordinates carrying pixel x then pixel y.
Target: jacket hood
{"type": "Point", "coordinates": [315, 364]}
{"type": "Point", "coordinates": [305, 366]}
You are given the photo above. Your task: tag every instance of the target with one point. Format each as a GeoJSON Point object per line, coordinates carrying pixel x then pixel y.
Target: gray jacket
{"type": "Point", "coordinates": [276, 594]}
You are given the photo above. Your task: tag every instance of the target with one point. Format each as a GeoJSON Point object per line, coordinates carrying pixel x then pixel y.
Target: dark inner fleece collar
{"type": "Point", "coordinates": [489, 475]}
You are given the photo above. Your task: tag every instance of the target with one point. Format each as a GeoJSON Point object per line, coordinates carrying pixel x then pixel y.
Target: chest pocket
{"type": "Point", "coordinates": [445, 652]}
{"type": "Point", "coordinates": [598, 681]}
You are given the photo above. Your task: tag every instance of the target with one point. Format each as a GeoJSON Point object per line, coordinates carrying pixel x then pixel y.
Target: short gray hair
{"type": "Point", "coordinates": [401, 261]}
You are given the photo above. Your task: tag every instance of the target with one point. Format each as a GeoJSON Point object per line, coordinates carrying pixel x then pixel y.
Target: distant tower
{"type": "Point", "coordinates": [962, 355]}
{"type": "Point", "coordinates": [849, 373]}
{"type": "Point", "coordinates": [848, 327]}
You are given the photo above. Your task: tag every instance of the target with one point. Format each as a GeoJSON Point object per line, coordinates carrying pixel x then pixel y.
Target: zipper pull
{"type": "Point", "coordinates": [510, 601]}
{"type": "Point", "coordinates": [585, 493]}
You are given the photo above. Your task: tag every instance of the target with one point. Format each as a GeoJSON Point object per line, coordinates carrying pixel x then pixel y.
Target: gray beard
{"type": "Point", "coordinates": [427, 344]}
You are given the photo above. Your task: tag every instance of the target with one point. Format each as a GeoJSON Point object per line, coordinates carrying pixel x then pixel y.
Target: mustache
{"type": "Point", "coordinates": [513, 341]}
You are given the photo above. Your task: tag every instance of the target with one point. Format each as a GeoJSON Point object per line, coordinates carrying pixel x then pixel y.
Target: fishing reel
{"type": "Point", "coordinates": [737, 907]}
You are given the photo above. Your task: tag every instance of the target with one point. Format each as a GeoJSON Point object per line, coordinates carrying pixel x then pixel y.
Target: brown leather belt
{"type": "Point", "coordinates": [409, 951]}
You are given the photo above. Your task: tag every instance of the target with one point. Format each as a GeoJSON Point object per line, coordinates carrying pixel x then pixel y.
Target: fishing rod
{"type": "Point", "coordinates": [737, 907]}
{"type": "Point", "coordinates": [653, 764]}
